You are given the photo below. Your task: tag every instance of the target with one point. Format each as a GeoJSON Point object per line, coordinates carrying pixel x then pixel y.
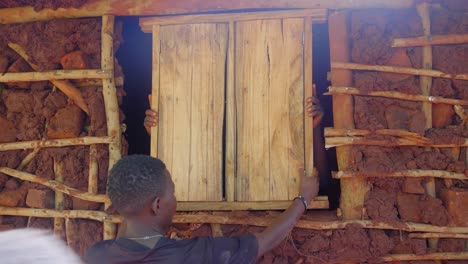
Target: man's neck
{"type": "Point", "coordinates": [141, 232]}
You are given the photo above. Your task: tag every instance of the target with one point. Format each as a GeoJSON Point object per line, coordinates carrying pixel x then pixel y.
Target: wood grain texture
{"type": "Point", "coordinates": [231, 132]}
{"type": "Point", "coordinates": [155, 89]}
{"type": "Point", "coordinates": [353, 190]}
{"type": "Point", "coordinates": [269, 95]}
{"type": "Point", "coordinates": [314, 15]}
{"type": "Point", "coordinates": [308, 92]}
{"type": "Point", "coordinates": [192, 68]}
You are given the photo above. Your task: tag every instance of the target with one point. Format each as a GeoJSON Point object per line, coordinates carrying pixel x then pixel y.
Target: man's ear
{"type": "Point", "coordinates": [156, 205]}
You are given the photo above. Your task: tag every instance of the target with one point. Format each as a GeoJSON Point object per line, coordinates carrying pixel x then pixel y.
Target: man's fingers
{"type": "Point", "coordinates": [314, 90]}
{"type": "Point", "coordinates": [150, 112]}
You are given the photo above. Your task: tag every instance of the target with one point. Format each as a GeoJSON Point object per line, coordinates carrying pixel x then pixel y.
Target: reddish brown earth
{"type": "Point", "coordinates": [42, 4]}
{"type": "Point", "coordinates": [33, 111]}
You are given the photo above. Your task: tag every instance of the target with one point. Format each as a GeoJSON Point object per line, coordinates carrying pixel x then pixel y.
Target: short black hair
{"type": "Point", "coordinates": [134, 181]}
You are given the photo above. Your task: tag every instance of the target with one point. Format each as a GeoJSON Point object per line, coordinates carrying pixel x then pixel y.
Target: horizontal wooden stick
{"type": "Point", "coordinates": [405, 173]}
{"type": "Point", "coordinates": [54, 75]}
{"type": "Point", "coordinates": [321, 202]}
{"type": "Point", "coordinates": [396, 95]}
{"type": "Point", "coordinates": [228, 219]}
{"type": "Point", "coordinates": [432, 40]}
{"type": "Point", "coordinates": [53, 143]}
{"type": "Point", "coordinates": [56, 186]}
{"type": "Point", "coordinates": [51, 213]}
{"type": "Point", "coordinates": [344, 141]}
{"type": "Point", "coordinates": [396, 69]}
{"type": "Point", "coordinates": [146, 24]}
{"type": "Point", "coordinates": [95, 8]}
{"type": "Point", "coordinates": [119, 81]}
{"type": "Point", "coordinates": [438, 235]}
{"type": "Point", "coordinates": [340, 132]}
{"type": "Point", "coordinates": [430, 256]}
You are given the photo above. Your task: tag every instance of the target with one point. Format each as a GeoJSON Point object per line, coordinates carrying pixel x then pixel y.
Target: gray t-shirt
{"type": "Point", "coordinates": [206, 250]}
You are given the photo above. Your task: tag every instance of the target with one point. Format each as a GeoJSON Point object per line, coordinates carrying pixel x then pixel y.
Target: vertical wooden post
{"type": "Point", "coordinates": [216, 230]}
{"type": "Point", "coordinates": [155, 88]}
{"type": "Point", "coordinates": [231, 137]}
{"type": "Point", "coordinates": [110, 103]}
{"type": "Point", "coordinates": [308, 83]}
{"type": "Point", "coordinates": [353, 190]}
{"type": "Point", "coordinates": [93, 170]}
{"type": "Point", "coordinates": [59, 200]}
{"type": "Point", "coordinates": [425, 83]}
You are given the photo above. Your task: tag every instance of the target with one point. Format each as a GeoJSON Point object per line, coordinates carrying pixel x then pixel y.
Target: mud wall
{"type": "Point", "coordinates": [37, 110]}
{"type": "Point", "coordinates": [371, 37]}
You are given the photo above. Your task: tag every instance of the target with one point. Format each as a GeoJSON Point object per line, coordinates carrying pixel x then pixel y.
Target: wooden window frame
{"type": "Point", "coordinates": [310, 16]}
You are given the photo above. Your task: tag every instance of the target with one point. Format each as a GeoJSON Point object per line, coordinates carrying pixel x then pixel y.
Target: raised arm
{"type": "Point", "coordinates": [275, 234]}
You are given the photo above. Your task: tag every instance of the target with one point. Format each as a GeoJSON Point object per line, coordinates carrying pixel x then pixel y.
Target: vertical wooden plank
{"type": "Point", "coordinates": [308, 83]}
{"type": "Point", "coordinates": [59, 200]}
{"type": "Point", "coordinates": [353, 190]}
{"type": "Point", "coordinates": [155, 89]}
{"type": "Point", "coordinates": [192, 68]}
{"type": "Point", "coordinates": [269, 93]}
{"type": "Point", "coordinates": [111, 104]}
{"type": "Point", "coordinates": [286, 112]}
{"type": "Point", "coordinates": [175, 55]}
{"type": "Point", "coordinates": [231, 138]}
{"type": "Point", "coordinates": [252, 77]}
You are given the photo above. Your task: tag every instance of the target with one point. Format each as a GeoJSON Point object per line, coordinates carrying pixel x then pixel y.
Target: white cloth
{"type": "Point", "coordinates": [34, 246]}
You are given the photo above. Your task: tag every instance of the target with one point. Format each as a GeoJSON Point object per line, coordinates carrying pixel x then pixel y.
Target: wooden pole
{"type": "Point", "coordinates": [343, 141]}
{"type": "Point", "coordinates": [155, 88]}
{"type": "Point", "coordinates": [55, 143]}
{"type": "Point", "coordinates": [93, 170]}
{"type": "Point", "coordinates": [96, 8]}
{"type": "Point", "coordinates": [308, 84]}
{"type": "Point", "coordinates": [52, 213]}
{"type": "Point", "coordinates": [335, 132]}
{"type": "Point", "coordinates": [406, 173]}
{"type": "Point", "coordinates": [80, 83]}
{"type": "Point", "coordinates": [425, 83]}
{"type": "Point", "coordinates": [111, 105]}
{"type": "Point", "coordinates": [231, 219]}
{"type": "Point", "coordinates": [55, 185]}
{"type": "Point", "coordinates": [63, 85]}
{"type": "Point", "coordinates": [430, 40]}
{"type": "Point", "coordinates": [397, 95]}
{"type": "Point", "coordinates": [395, 69]}
{"type": "Point", "coordinates": [353, 190]}
{"type": "Point", "coordinates": [438, 235]}
{"type": "Point", "coordinates": [28, 159]}
{"type": "Point", "coordinates": [231, 119]}
{"type": "Point", "coordinates": [313, 15]}
{"type": "Point", "coordinates": [53, 75]}
{"type": "Point", "coordinates": [431, 256]}
{"type": "Point", "coordinates": [59, 200]}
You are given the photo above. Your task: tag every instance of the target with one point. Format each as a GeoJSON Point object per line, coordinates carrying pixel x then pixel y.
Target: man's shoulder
{"type": "Point", "coordinates": [98, 251]}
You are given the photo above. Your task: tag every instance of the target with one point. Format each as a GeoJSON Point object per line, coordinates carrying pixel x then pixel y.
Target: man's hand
{"type": "Point", "coordinates": [313, 107]}
{"type": "Point", "coordinates": [309, 185]}
{"type": "Point", "coordinates": [151, 118]}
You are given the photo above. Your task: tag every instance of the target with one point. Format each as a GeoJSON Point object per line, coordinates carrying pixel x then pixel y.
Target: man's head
{"type": "Point", "coordinates": [140, 186]}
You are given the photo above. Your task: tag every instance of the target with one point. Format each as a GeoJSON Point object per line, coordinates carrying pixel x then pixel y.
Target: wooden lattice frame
{"type": "Point", "coordinates": [354, 185]}
{"type": "Point", "coordinates": [106, 74]}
